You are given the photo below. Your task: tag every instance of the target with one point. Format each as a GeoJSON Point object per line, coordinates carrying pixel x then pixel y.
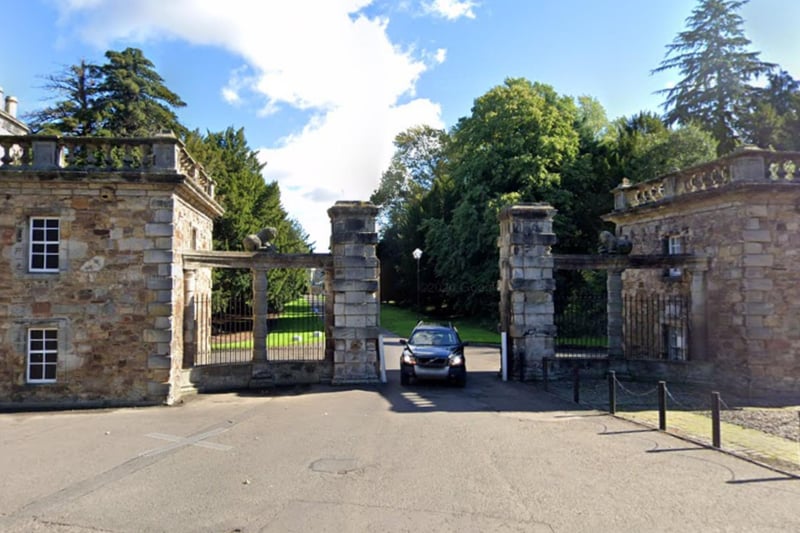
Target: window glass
{"type": "Point", "coordinates": [42, 355]}
{"type": "Point", "coordinates": [44, 244]}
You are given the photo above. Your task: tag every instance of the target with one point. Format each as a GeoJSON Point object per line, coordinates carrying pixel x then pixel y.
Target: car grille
{"type": "Point", "coordinates": [432, 362]}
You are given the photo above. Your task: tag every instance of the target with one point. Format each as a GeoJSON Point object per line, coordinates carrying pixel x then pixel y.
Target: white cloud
{"type": "Point", "coordinates": [325, 57]}
{"type": "Point", "coordinates": [319, 165]}
{"type": "Point", "coordinates": [451, 9]}
{"type": "Point", "coordinates": [231, 96]}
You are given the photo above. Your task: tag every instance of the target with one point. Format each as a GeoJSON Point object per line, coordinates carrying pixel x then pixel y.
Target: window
{"type": "Point", "coordinates": [44, 244]}
{"type": "Point", "coordinates": [674, 246]}
{"type": "Point", "coordinates": [42, 355]}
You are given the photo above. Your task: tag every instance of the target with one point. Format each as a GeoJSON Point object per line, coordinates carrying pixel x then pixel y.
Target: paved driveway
{"type": "Point", "coordinates": [491, 457]}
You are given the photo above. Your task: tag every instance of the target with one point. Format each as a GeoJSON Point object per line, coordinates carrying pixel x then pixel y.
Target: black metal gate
{"type": "Point", "coordinates": [581, 327]}
{"type": "Point", "coordinates": [296, 332]}
{"type": "Point", "coordinates": [656, 326]}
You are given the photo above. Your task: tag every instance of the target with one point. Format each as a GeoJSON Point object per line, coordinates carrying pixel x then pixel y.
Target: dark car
{"type": "Point", "coordinates": [433, 351]}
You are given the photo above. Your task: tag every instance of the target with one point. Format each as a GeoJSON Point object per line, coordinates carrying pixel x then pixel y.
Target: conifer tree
{"type": "Point", "coordinates": [717, 68]}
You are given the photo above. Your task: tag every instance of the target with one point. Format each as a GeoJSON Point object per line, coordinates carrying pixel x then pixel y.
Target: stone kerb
{"type": "Point", "coordinates": [354, 291]}
{"type": "Point", "coordinates": [526, 287]}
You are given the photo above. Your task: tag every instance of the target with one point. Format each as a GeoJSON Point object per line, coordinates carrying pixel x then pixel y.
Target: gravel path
{"type": "Point", "coordinates": [783, 422]}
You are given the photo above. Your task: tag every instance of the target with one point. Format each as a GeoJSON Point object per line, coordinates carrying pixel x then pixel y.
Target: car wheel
{"type": "Point", "coordinates": [405, 380]}
{"type": "Point", "coordinates": [461, 382]}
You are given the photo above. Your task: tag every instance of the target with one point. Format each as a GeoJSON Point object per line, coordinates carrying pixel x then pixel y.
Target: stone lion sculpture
{"type": "Point", "coordinates": [612, 245]}
{"type": "Point", "coordinates": [261, 241]}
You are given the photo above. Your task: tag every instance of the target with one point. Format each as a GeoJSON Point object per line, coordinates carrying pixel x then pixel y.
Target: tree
{"type": "Point", "coordinates": [513, 147]}
{"type": "Point", "coordinates": [717, 69]}
{"type": "Point", "coordinates": [773, 120]}
{"type": "Point", "coordinates": [415, 165]}
{"type": "Point", "coordinates": [76, 113]}
{"type": "Point", "coordinates": [124, 97]}
{"type": "Point", "coordinates": [134, 100]}
{"type": "Point", "coordinates": [404, 198]}
{"type": "Point", "coordinates": [250, 205]}
{"type": "Point", "coordinates": [643, 147]}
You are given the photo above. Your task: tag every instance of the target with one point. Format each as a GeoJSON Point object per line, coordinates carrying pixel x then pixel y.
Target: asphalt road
{"type": "Point", "coordinates": [491, 457]}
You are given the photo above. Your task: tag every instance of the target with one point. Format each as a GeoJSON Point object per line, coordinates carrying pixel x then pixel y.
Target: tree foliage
{"type": "Point", "coordinates": [124, 97]}
{"type": "Point", "coordinates": [522, 142]}
{"type": "Point", "coordinates": [717, 70]}
{"type": "Point", "coordinates": [405, 197]}
{"type": "Point", "coordinates": [133, 100]}
{"type": "Point", "coordinates": [76, 111]}
{"type": "Point", "coordinates": [774, 117]}
{"type": "Point", "coordinates": [250, 205]}
{"type": "Point", "coordinates": [442, 192]}
{"type": "Point", "coordinates": [645, 148]}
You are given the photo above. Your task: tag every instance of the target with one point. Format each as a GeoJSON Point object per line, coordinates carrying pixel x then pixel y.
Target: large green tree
{"type": "Point", "coordinates": [75, 111]}
{"type": "Point", "coordinates": [123, 97]}
{"type": "Point", "coordinates": [773, 120]}
{"type": "Point", "coordinates": [717, 70]}
{"type": "Point", "coordinates": [133, 98]}
{"type": "Point", "coordinates": [642, 147]}
{"type": "Point", "coordinates": [513, 147]}
{"type": "Point", "coordinates": [405, 200]}
{"type": "Point", "coordinates": [250, 205]}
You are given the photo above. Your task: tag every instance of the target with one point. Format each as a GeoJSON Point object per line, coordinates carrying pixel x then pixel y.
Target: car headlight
{"type": "Point", "coordinates": [408, 358]}
{"type": "Point", "coordinates": [456, 359]}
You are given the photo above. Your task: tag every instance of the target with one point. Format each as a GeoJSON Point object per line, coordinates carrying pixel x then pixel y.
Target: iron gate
{"type": "Point", "coordinates": [581, 327]}
{"type": "Point", "coordinates": [295, 333]}
{"type": "Point", "coordinates": [656, 326]}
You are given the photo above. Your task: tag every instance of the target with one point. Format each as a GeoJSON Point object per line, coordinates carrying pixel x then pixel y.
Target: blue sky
{"type": "Point", "coordinates": [322, 86]}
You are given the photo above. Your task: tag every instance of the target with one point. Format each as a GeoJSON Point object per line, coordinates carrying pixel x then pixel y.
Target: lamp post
{"type": "Point", "coordinates": [417, 254]}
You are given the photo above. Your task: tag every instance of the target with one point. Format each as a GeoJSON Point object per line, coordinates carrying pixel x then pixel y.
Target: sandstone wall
{"type": "Point", "coordinates": [113, 298]}
{"type": "Point", "coordinates": [752, 234]}
{"type": "Point", "coordinates": [192, 230]}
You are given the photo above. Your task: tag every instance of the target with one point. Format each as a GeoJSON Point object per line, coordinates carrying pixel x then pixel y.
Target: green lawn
{"type": "Point", "coordinates": [295, 325]}
{"type": "Point", "coordinates": [401, 321]}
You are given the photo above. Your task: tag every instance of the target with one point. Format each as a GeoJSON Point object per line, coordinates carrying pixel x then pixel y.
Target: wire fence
{"type": "Point", "coordinates": [762, 429]}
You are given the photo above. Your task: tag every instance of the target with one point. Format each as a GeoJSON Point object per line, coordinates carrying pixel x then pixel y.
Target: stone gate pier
{"type": "Point", "coordinates": [526, 287]}
{"type": "Point", "coordinates": [354, 291]}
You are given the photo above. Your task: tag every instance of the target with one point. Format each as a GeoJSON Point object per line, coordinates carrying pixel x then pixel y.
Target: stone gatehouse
{"type": "Point", "coordinates": [724, 236]}
{"type": "Point", "coordinates": [742, 212]}
{"type": "Point", "coordinates": [105, 242]}
{"type": "Point", "coordinates": [92, 233]}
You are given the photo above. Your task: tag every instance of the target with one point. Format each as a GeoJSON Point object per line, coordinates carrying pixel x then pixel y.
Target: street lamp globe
{"type": "Point", "coordinates": [417, 254]}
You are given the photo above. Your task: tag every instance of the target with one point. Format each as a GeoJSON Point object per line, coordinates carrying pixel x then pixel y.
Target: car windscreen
{"type": "Point", "coordinates": [433, 338]}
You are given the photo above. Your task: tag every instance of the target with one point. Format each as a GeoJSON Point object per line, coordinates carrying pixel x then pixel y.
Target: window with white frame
{"type": "Point", "coordinates": [42, 355]}
{"type": "Point", "coordinates": [45, 236]}
{"type": "Point", "coordinates": [674, 247]}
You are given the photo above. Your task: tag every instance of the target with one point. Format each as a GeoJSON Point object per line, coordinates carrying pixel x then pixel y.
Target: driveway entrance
{"type": "Point", "coordinates": [491, 457]}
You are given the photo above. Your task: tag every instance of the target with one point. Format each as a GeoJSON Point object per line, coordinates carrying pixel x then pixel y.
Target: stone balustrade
{"type": "Point", "coordinates": [160, 154]}
{"type": "Point", "coordinates": [746, 165]}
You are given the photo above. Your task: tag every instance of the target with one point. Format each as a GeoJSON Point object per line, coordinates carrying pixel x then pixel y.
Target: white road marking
{"type": "Point", "coordinates": [194, 440]}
